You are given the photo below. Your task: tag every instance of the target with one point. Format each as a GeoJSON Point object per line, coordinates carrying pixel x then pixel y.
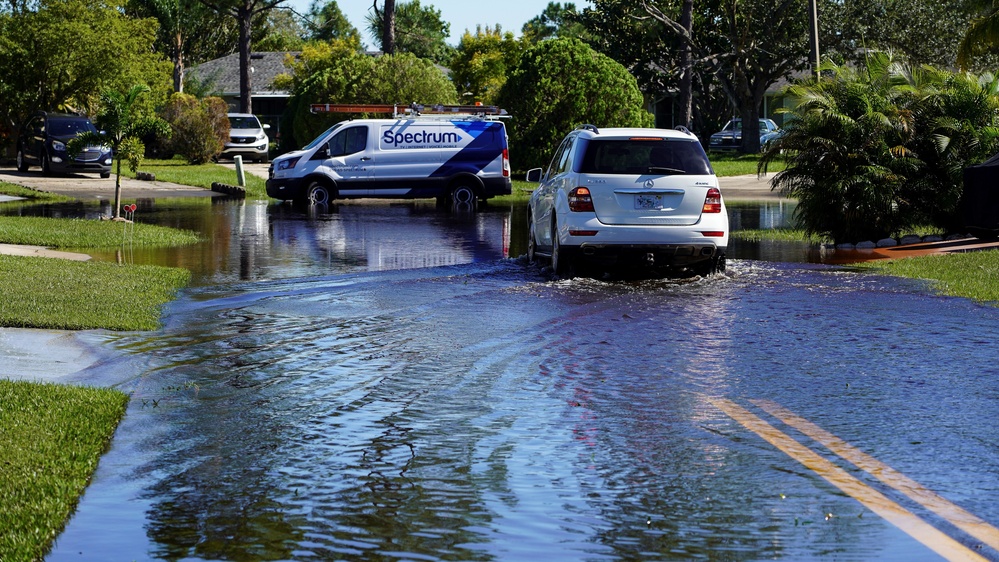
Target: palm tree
{"type": "Point", "coordinates": [847, 161]}
{"type": "Point", "coordinates": [121, 128]}
{"type": "Point", "coordinates": [983, 33]}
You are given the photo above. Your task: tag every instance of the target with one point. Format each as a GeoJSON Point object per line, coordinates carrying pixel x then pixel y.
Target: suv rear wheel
{"type": "Point", "coordinates": [561, 263]}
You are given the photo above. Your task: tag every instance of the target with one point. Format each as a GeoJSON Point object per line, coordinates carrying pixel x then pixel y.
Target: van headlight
{"type": "Point", "coordinates": [287, 164]}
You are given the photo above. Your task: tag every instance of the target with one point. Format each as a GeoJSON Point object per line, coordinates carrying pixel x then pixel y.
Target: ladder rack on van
{"type": "Point", "coordinates": [412, 110]}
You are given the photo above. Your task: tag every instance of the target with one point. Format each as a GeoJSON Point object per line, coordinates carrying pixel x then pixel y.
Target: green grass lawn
{"type": "Point", "coordinates": [70, 295]}
{"type": "Point", "coordinates": [51, 437]}
{"type": "Point", "coordinates": [973, 275]}
{"type": "Point", "coordinates": [83, 234]}
{"type": "Point", "coordinates": [15, 190]}
{"type": "Point", "coordinates": [177, 170]}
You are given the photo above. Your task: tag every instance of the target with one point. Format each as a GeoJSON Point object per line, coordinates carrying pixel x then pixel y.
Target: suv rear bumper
{"type": "Point", "coordinates": [667, 255]}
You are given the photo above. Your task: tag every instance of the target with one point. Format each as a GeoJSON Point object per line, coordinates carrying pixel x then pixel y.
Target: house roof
{"type": "Point", "coordinates": [223, 73]}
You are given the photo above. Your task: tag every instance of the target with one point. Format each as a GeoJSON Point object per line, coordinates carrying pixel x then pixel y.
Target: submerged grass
{"type": "Point", "coordinates": [51, 437]}
{"type": "Point", "coordinates": [82, 234]}
{"type": "Point", "coordinates": [777, 235]}
{"type": "Point", "coordinates": [70, 295]}
{"type": "Point", "coordinates": [177, 170]}
{"type": "Point", "coordinates": [973, 275]}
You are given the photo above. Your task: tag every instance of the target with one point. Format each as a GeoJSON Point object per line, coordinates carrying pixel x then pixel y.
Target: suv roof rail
{"type": "Point", "coordinates": [588, 127]}
{"type": "Point", "coordinates": [683, 129]}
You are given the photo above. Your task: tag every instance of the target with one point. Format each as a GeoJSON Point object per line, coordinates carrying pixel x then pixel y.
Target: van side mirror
{"type": "Point", "coordinates": [534, 175]}
{"type": "Point", "coordinates": [266, 126]}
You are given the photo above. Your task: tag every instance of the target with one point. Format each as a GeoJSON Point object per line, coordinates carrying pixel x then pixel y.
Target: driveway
{"type": "Point", "coordinates": [91, 186]}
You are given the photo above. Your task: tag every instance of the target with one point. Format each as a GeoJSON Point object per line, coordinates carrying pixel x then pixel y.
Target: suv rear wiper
{"type": "Point", "coordinates": [662, 170]}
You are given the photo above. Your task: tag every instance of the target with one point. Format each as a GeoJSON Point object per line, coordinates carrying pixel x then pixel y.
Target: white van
{"type": "Point", "coordinates": [457, 159]}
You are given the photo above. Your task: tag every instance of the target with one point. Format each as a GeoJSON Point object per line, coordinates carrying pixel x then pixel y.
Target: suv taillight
{"type": "Point", "coordinates": [580, 200]}
{"type": "Point", "coordinates": [506, 162]}
{"type": "Point", "coordinates": [713, 201]}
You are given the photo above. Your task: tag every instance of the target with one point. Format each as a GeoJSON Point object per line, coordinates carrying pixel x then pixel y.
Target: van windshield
{"type": "Point", "coordinates": [641, 156]}
{"type": "Point", "coordinates": [322, 136]}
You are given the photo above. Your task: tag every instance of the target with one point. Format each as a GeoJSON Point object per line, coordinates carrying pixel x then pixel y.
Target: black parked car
{"type": "Point", "coordinates": [43, 140]}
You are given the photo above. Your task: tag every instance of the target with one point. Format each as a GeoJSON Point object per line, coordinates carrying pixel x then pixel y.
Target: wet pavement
{"type": "Point", "coordinates": [393, 382]}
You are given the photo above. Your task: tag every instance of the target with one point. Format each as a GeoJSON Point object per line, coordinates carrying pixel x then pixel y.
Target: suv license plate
{"type": "Point", "coordinates": [648, 201]}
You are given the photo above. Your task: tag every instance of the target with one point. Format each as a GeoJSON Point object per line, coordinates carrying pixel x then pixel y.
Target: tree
{"type": "Point", "coordinates": [280, 31]}
{"type": "Point", "coordinates": [417, 29]}
{"type": "Point", "coordinates": [325, 22]}
{"type": "Point", "coordinates": [64, 53]}
{"type": "Point", "coordinates": [403, 78]}
{"type": "Point", "coordinates": [121, 127]}
{"type": "Point", "coordinates": [323, 73]}
{"type": "Point", "coordinates": [557, 20]}
{"type": "Point", "coordinates": [244, 12]}
{"type": "Point", "coordinates": [188, 30]}
{"type": "Point", "coordinates": [750, 46]}
{"type": "Point", "coordinates": [983, 33]}
{"type": "Point", "coordinates": [199, 127]}
{"type": "Point", "coordinates": [923, 31]}
{"type": "Point", "coordinates": [547, 102]}
{"type": "Point", "coordinates": [875, 151]}
{"type": "Point", "coordinates": [385, 30]}
{"type": "Point", "coordinates": [337, 72]}
{"type": "Point", "coordinates": [482, 61]}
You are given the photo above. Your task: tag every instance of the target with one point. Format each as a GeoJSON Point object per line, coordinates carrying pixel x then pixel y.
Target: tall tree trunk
{"type": "Point", "coordinates": [388, 29]}
{"type": "Point", "coordinates": [244, 15]}
{"type": "Point", "coordinates": [178, 62]}
{"type": "Point", "coordinates": [687, 66]}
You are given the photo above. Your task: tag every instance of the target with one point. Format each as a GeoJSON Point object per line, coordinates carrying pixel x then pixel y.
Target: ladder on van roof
{"type": "Point", "coordinates": [412, 110]}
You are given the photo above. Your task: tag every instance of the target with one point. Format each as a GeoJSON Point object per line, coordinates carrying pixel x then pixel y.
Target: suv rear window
{"type": "Point", "coordinates": [639, 156]}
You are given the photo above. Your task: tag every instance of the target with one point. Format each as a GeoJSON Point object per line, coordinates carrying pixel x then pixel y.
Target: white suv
{"type": "Point", "coordinates": [247, 137]}
{"type": "Point", "coordinates": [626, 198]}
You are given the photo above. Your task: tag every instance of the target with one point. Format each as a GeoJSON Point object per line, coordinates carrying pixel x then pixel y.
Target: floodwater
{"type": "Point", "coordinates": [391, 382]}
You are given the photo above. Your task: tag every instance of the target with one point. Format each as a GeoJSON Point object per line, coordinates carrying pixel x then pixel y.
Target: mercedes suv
{"type": "Point", "coordinates": [627, 198]}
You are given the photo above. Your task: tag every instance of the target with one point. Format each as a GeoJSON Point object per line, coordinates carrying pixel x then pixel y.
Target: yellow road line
{"type": "Point", "coordinates": [953, 513]}
{"type": "Point", "coordinates": [872, 499]}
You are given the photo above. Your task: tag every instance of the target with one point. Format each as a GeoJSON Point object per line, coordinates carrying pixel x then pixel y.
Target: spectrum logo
{"type": "Point", "coordinates": [419, 139]}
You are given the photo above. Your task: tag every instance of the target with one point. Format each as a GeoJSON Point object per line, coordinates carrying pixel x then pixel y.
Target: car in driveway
{"type": "Point", "coordinates": [247, 138]}
{"type": "Point", "coordinates": [43, 142]}
{"type": "Point", "coordinates": [730, 137]}
{"type": "Point", "coordinates": [628, 198]}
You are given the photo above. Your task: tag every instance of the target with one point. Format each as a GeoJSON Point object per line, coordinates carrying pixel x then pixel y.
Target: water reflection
{"type": "Point", "coordinates": [255, 240]}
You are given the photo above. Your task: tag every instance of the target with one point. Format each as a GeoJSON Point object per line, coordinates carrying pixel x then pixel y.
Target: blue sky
{"type": "Point", "coordinates": [461, 14]}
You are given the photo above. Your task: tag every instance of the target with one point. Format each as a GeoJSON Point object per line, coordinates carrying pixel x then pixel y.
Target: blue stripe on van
{"type": "Point", "coordinates": [488, 142]}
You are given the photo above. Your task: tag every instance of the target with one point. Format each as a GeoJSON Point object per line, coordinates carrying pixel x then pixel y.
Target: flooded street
{"type": "Point", "coordinates": [391, 382]}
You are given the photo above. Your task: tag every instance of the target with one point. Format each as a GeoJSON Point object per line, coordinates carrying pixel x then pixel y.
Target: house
{"type": "Point", "coordinates": [221, 78]}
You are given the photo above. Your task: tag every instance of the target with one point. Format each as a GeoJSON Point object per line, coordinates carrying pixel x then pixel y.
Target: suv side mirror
{"type": "Point", "coordinates": [534, 175]}
{"type": "Point", "coordinates": [266, 126]}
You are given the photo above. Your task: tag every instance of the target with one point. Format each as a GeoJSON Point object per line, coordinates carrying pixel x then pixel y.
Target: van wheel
{"type": "Point", "coordinates": [318, 194]}
{"type": "Point", "coordinates": [463, 197]}
{"type": "Point", "coordinates": [22, 164]}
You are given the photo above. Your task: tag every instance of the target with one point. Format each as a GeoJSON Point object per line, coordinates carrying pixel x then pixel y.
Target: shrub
{"type": "Point", "coordinates": [560, 84]}
{"type": "Point", "coordinates": [200, 127]}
